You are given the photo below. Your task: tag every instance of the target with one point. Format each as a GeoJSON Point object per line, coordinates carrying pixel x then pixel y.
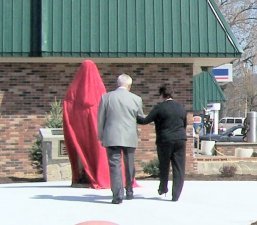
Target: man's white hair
{"type": "Point", "coordinates": [124, 80]}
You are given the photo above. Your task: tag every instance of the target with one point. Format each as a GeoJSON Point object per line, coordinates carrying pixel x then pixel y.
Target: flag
{"type": "Point", "coordinates": [223, 73]}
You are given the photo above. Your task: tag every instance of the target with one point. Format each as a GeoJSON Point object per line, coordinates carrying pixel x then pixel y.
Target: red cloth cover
{"type": "Point", "coordinates": [80, 108]}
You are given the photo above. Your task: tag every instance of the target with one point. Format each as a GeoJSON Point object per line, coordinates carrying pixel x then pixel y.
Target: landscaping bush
{"type": "Point", "coordinates": [151, 168]}
{"type": "Point", "coordinates": [53, 120]}
{"type": "Point", "coordinates": [228, 170]}
{"type": "Point", "coordinates": [36, 154]}
{"type": "Point", "coordinates": [254, 154]}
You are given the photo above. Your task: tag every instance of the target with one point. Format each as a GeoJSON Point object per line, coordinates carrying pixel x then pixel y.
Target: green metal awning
{"type": "Point", "coordinates": [123, 28]}
{"type": "Point", "coordinates": [136, 28]}
{"type": "Point", "coordinates": [206, 90]}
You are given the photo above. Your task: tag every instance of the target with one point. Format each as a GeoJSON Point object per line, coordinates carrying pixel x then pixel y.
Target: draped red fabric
{"type": "Point", "coordinates": [80, 108]}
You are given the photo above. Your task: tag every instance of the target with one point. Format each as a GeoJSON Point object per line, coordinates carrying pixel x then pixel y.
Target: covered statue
{"type": "Point", "coordinates": [87, 156]}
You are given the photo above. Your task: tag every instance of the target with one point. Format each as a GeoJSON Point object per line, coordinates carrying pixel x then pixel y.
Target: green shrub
{"type": "Point", "coordinates": [36, 154]}
{"type": "Point", "coordinates": [254, 154]}
{"type": "Point", "coordinates": [53, 120]}
{"type": "Point", "coordinates": [151, 168]}
{"type": "Point", "coordinates": [228, 170]}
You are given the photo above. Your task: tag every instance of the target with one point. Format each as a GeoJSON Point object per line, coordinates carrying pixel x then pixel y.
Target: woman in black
{"type": "Point", "coordinates": [170, 126]}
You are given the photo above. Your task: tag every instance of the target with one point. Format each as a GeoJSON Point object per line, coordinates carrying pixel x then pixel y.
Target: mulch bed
{"type": "Point", "coordinates": [6, 180]}
{"type": "Point", "coordinates": [197, 177]}
{"type": "Point", "coordinates": [236, 177]}
{"type": "Point", "coordinates": [201, 177]}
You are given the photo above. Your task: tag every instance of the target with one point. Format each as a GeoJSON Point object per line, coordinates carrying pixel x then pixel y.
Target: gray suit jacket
{"type": "Point", "coordinates": [117, 116]}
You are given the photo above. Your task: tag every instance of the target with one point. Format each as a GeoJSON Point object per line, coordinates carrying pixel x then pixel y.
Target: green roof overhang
{"type": "Point", "coordinates": [115, 29]}
{"type": "Point", "coordinates": [206, 90]}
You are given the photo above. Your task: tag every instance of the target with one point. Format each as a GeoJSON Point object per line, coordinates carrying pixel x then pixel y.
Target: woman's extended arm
{"type": "Point", "coordinates": [149, 118]}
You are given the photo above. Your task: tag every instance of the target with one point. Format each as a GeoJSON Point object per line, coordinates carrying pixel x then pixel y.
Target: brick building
{"type": "Point", "coordinates": [42, 44]}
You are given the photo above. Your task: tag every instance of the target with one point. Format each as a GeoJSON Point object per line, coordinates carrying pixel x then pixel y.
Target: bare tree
{"type": "Point", "coordinates": [241, 94]}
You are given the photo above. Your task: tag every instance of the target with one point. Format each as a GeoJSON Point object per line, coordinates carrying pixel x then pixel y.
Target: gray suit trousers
{"type": "Point", "coordinates": [114, 154]}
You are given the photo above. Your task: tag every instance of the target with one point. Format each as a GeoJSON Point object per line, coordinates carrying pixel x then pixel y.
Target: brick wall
{"type": "Point", "coordinates": [27, 89]}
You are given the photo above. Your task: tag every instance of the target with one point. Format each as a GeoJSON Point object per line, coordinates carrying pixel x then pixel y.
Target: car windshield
{"type": "Point", "coordinates": [235, 130]}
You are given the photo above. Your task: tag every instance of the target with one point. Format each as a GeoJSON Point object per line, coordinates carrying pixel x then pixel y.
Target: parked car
{"type": "Point", "coordinates": [233, 134]}
{"type": "Point", "coordinates": [228, 122]}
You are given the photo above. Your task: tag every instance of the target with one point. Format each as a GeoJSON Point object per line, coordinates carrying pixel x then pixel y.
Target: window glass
{"type": "Point", "coordinates": [230, 120]}
{"type": "Point", "coordinates": [238, 131]}
{"type": "Point", "coordinates": [238, 120]}
{"type": "Point", "coordinates": [223, 121]}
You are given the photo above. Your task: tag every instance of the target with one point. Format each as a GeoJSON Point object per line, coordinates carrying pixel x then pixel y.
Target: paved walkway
{"type": "Point", "coordinates": [201, 203]}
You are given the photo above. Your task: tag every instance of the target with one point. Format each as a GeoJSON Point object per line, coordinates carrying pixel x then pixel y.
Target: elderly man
{"type": "Point", "coordinates": [117, 130]}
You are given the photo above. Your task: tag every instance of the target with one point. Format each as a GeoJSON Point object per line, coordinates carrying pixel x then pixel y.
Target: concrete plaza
{"type": "Point", "coordinates": [201, 203]}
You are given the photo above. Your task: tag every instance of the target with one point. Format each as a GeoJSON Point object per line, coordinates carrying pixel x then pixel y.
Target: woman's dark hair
{"type": "Point", "coordinates": [166, 91]}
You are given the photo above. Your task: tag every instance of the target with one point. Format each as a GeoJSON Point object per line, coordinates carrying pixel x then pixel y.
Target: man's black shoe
{"type": "Point", "coordinates": [117, 201]}
{"type": "Point", "coordinates": [129, 196]}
